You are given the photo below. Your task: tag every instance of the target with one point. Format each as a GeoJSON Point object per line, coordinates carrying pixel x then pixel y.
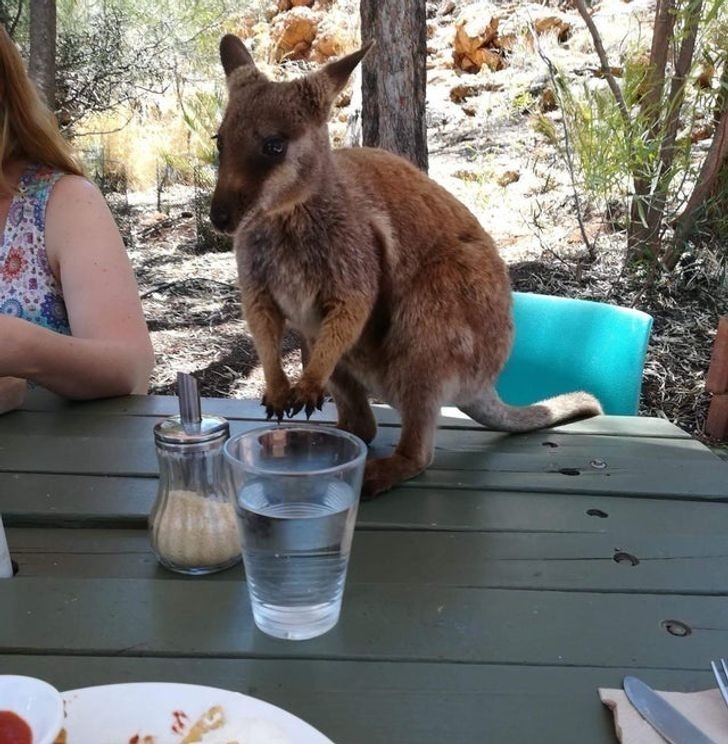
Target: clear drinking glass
{"type": "Point", "coordinates": [296, 495]}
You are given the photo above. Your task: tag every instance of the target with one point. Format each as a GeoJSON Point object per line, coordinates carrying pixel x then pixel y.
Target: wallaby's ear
{"type": "Point", "coordinates": [233, 54]}
{"type": "Point", "coordinates": [319, 89]}
{"type": "Point", "coordinates": [338, 72]}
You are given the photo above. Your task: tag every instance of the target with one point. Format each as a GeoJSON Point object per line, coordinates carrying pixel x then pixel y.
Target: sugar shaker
{"type": "Point", "coordinates": [193, 525]}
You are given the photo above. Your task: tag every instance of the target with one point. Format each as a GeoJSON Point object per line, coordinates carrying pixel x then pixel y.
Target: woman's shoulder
{"type": "Point", "coordinates": [77, 213]}
{"type": "Point", "coordinates": [43, 184]}
{"type": "Point", "coordinates": [69, 190]}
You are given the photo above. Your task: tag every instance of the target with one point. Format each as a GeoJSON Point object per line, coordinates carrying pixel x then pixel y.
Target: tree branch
{"type": "Point", "coordinates": [655, 76]}
{"type": "Point", "coordinates": [14, 24]}
{"type": "Point", "coordinates": [715, 160]}
{"type": "Point", "coordinates": [567, 148]}
{"type": "Point", "coordinates": [679, 81]}
{"type": "Point", "coordinates": [603, 59]}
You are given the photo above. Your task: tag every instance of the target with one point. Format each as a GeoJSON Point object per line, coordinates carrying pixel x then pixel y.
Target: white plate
{"type": "Point", "coordinates": [115, 714]}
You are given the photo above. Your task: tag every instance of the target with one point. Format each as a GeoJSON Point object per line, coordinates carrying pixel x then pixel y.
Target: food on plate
{"type": "Point", "coordinates": [212, 719]}
{"type": "Point", "coordinates": [212, 728]}
{"type": "Point", "coordinates": [14, 729]}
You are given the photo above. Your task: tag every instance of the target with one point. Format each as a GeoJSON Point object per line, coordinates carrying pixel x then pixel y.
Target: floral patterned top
{"type": "Point", "coordinates": [28, 288]}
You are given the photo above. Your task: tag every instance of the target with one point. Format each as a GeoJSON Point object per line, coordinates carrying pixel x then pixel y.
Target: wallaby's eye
{"type": "Point", "coordinates": [274, 147]}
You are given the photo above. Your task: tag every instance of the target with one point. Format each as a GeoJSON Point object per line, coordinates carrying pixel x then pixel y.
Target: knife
{"type": "Point", "coordinates": [670, 723]}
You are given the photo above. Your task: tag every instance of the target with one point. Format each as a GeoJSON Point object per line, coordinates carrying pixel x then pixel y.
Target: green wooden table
{"type": "Point", "coordinates": [486, 600]}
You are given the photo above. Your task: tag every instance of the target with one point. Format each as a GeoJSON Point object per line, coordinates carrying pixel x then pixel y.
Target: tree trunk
{"type": "Point", "coordinates": [42, 66]}
{"type": "Point", "coordinates": [643, 240]}
{"type": "Point", "coordinates": [394, 78]}
{"type": "Point", "coordinates": [668, 133]}
{"type": "Point", "coordinates": [712, 173]}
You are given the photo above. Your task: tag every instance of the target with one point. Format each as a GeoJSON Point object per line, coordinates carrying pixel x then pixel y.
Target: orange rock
{"type": "Point", "coordinates": [547, 100]}
{"type": "Point", "coordinates": [475, 31]}
{"type": "Point", "coordinates": [490, 59]}
{"type": "Point", "coordinates": [505, 41]}
{"type": "Point", "coordinates": [508, 177]}
{"type": "Point", "coordinates": [294, 32]}
{"type": "Point", "coordinates": [547, 24]}
{"type": "Point", "coordinates": [328, 44]}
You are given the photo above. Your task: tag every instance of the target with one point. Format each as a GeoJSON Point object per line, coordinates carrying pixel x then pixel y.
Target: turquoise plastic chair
{"type": "Point", "coordinates": [562, 345]}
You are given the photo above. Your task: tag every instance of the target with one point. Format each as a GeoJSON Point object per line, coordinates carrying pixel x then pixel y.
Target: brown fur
{"type": "Point", "coordinates": [395, 286]}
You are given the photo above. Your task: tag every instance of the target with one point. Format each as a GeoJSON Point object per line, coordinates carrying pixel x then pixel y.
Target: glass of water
{"type": "Point", "coordinates": [296, 496]}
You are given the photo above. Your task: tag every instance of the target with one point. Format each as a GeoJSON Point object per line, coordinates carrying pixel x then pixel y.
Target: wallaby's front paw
{"type": "Point", "coordinates": [305, 395]}
{"type": "Point", "coordinates": [275, 399]}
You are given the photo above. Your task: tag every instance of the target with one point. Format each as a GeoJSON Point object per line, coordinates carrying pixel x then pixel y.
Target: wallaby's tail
{"type": "Point", "coordinates": [490, 411]}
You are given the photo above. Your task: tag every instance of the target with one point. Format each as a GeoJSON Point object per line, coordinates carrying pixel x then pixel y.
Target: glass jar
{"type": "Point", "coordinates": [193, 525]}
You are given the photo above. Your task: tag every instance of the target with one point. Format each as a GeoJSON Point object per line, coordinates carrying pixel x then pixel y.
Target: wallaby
{"type": "Point", "coordinates": [393, 284]}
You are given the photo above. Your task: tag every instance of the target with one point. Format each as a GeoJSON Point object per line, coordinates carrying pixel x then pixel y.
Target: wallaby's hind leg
{"type": "Point", "coordinates": [413, 453]}
{"type": "Point", "coordinates": [352, 407]}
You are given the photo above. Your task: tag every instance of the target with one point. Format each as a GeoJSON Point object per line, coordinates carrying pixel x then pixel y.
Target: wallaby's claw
{"type": "Point", "coordinates": [272, 408]}
{"type": "Point", "coordinates": [304, 397]}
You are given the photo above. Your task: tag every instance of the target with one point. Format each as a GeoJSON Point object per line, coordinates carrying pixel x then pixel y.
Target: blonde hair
{"type": "Point", "coordinates": [28, 129]}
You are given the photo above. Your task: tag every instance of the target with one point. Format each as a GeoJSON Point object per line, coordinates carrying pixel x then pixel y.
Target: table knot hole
{"type": "Point", "coordinates": [677, 628]}
{"type": "Point", "coordinates": [621, 557]}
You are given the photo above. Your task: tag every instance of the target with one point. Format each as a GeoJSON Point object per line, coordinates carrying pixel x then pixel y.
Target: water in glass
{"type": "Point", "coordinates": [297, 538]}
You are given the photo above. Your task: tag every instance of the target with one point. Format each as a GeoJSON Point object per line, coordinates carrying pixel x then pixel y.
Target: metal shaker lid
{"type": "Point", "coordinates": [173, 431]}
{"type": "Point", "coordinates": [190, 427]}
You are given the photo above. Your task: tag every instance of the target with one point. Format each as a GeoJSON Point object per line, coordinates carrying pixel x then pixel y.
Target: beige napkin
{"type": "Point", "coordinates": [705, 709]}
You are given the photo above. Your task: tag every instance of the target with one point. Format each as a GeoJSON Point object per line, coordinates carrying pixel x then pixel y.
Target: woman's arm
{"type": "Point", "coordinates": [109, 352]}
{"type": "Point", "coordinates": [12, 393]}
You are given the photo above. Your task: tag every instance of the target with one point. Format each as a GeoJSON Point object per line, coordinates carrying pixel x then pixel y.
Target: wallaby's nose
{"type": "Point", "coordinates": [220, 217]}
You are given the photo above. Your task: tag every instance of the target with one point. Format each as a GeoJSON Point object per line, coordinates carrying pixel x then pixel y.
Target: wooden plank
{"type": "Point", "coordinates": [166, 405]}
{"type": "Point", "coordinates": [379, 623]}
{"type": "Point", "coordinates": [551, 444]}
{"type": "Point", "coordinates": [28, 499]}
{"type": "Point", "coordinates": [84, 427]}
{"type": "Point", "coordinates": [667, 564]}
{"type": "Point", "coordinates": [366, 702]}
{"type": "Point", "coordinates": [53, 443]}
{"type": "Point", "coordinates": [418, 508]}
{"type": "Point", "coordinates": [659, 480]}
{"type": "Point", "coordinates": [125, 454]}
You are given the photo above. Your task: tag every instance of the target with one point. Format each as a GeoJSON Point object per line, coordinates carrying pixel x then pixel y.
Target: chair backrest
{"type": "Point", "coordinates": [562, 345]}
